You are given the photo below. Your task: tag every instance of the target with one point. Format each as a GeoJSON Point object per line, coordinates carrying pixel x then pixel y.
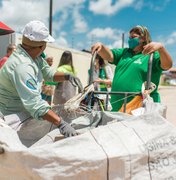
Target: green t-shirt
{"type": "Point", "coordinates": [66, 69]}
{"type": "Point", "coordinates": [131, 73]}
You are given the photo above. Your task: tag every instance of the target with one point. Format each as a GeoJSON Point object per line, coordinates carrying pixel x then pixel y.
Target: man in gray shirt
{"type": "Point", "coordinates": [21, 78]}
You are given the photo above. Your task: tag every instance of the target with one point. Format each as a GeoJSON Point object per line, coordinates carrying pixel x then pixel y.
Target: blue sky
{"type": "Point", "coordinates": [80, 23]}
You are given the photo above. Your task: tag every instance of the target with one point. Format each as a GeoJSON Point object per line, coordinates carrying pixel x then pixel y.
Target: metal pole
{"type": "Point", "coordinates": [50, 16]}
{"type": "Point", "coordinates": [92, 67]}
{"type": "Point", "coordinates": [123, 39]}
{"type": "Point", "coordinates": [72, 42]}
{"type": "Point", "coordinates": [107, 101]}
{"type": "Point", "coordinates": [149, 72]}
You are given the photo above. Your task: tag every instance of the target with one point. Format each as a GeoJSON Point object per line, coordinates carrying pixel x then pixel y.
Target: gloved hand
{"type": "Point", "coordinates": [66, 129]}
{"type": "Point", "coordinates": [75, 81]}
{"type": "Point", "coordinates": [70, 78]}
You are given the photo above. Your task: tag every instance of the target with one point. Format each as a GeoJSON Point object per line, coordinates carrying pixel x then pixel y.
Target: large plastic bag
{"type": "Point", "coordinates": [128, 147]}
{"type": "Point", "coordinates": [150, 106]}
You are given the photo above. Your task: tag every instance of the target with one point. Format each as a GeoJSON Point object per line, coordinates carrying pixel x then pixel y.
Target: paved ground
{"type": "Point", "coordinates": [168, 97]}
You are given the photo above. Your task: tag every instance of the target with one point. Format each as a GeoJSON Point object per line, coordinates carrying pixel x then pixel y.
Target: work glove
{"type": "Point", "coordinates": [66, 129]}
{"type": "Point", "coordinates": [75, 82]}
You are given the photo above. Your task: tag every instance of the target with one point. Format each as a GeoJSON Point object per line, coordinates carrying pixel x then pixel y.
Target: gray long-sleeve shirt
{"type": "Point", "coordinates": [20, 84]}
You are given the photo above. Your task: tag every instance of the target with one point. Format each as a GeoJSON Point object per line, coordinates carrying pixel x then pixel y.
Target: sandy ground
{"type": "Point", "coordinates": [168, 98]}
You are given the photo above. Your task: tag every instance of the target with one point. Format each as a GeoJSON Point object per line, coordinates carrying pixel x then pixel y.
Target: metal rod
{"type": "Point", "coordinates": [125, 102]}
{"type": "Point", "coordinates": [107, 101]}
{"type": "Point", "coordinates": [50, 16]}
{"type": "Point", "coordinates": [149, 72]}
{"type": "Point", "coordinates": [117, 92]}
{"type": "Point", "coordinates": [123, 39]}
{"type": "Point", "coordinates": [92, 67]}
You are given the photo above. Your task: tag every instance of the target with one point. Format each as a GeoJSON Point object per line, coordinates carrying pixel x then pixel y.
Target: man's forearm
{"type": "Point", "coordinates": [52, 117]}
{"type": "Point", "coordinates": [60, 77]}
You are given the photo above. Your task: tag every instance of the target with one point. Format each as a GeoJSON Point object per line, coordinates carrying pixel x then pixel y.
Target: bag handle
{"type": "Point", "coordinates": [149, 72]}
{"type": "Point", "coordinates": [92, 67]}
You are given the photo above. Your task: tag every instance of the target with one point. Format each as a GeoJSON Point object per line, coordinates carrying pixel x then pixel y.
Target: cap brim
{"type": "Point", "coordinates": [49, 39]}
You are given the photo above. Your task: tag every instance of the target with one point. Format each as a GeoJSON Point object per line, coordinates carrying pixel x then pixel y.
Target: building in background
{"type": "Point", "coordinates": [169, 77]}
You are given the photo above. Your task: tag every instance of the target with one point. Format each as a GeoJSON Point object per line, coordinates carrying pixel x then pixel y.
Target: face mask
{"type": "Point", "coordinates": [133, 42]}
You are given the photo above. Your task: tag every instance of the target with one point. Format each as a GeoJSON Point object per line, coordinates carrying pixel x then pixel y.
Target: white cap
{"type": "Point", "coordinates": [37, 31]}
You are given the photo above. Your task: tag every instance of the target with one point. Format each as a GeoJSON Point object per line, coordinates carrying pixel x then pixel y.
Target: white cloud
{"type": "Point", "coordinates": [113, 37]}
{"type": "Point", "coordinates": [108, 33]}
{"type": "Point", "coordinates": [117, 44]}
{"type": "Point", "coordinates": [169, 40]}
{"type": "Point", "coordinates": [158, 5]}
{"type": "Point", "coordinates": [62, 41]}
{"type": "Point", "coordinates": [67, 10]}
{"type": "Point", "coordinates": [23, 11]}
{"type": "Point", "coordinates": [107, 7]}
{"type": "Point", "coordinates": [138, 4]}
{"type": "Point", "coordinates": [59, 22]}
{"type": "Point", "coordinates": [17, 13]}
{"type": "Point", "coordinates": [80, 25]}
{"type": "Point", "coordinates": [61, 5]}
{"type": "Point", "coordinates": [81, 45]}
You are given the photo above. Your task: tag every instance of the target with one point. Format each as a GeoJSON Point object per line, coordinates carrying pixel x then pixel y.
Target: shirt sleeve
{"type": "Point", "coordinates": [117, 54]}
{"type": "Point", "coordinates": [47, 71]}
{"type": "Point", "coordinates": [27, 86]}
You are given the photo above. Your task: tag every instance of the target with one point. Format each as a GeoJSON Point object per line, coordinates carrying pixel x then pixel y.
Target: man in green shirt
{"type": "Point", "coordinates": [21, 78]}
{"type": "Point", "coordinates": [132, 64]}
